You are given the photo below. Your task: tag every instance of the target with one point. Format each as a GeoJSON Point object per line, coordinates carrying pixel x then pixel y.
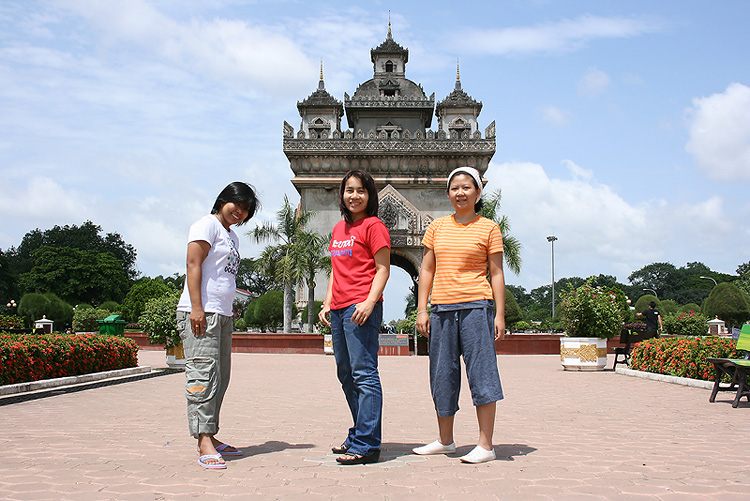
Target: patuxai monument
{"type": "Point", "coordinates": [387, 132]}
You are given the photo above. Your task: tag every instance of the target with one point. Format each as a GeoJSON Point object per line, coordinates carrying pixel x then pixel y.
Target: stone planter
{"type": "Point", "coordinates": [583, 353]}
{"type": "Point", "coordinates": [176, 357]}
{"type": "Point", "coordinates": [328, 344]}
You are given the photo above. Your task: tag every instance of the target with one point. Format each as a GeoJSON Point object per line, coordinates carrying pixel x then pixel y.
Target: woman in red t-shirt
{"type": "Point", "coordinates": [360, 261]}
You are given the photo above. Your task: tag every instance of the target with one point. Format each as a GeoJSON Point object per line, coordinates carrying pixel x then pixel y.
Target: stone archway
{"type": "Point", "coordinates": [388, 134]}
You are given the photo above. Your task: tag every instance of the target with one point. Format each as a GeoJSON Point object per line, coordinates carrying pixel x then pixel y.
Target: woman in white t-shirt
{"type": "Point", "coordinates": [204, 316]}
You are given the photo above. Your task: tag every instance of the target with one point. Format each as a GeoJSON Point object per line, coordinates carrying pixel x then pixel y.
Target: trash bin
{"type": "Point", "coordinates": [113, 325]}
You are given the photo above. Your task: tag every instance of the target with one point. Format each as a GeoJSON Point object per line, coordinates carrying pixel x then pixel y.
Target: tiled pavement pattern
{"type": "Point", "coordinates": [559, 435]}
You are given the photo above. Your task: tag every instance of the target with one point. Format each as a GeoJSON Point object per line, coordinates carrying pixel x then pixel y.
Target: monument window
{"type": "Point", "coordinates": [389, 67]}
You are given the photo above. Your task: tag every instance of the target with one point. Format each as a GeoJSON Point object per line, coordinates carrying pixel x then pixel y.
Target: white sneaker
{"type": "Point", "coordinates": [435, 448]}
{"type": "Point", "coordinates": [479, 455]}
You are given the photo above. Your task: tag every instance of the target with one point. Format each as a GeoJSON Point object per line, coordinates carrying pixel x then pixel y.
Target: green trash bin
{"type": "Point", "coordinates": [113, 325]}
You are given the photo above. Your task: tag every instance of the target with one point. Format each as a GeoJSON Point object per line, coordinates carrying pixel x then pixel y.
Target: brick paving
{"type": "Point", "coordinates": [559, 435]}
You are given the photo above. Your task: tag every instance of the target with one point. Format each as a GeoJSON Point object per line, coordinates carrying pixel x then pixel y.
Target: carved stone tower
{"type": "Point", "coordinates": [389, 119]}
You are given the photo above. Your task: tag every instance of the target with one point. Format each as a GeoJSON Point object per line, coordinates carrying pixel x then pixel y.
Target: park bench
{"type": "Point", "coordinates": [738, 370]}
{"type": "Point", "coordinates": [630, 338]}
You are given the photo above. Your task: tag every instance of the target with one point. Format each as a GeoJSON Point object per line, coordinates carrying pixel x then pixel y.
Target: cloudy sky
{"type": "Point", "coordinates": [623, 126]}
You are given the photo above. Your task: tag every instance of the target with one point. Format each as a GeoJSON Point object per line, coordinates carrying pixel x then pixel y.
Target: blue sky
{"type": "Point", "coordinates": [623, 126]}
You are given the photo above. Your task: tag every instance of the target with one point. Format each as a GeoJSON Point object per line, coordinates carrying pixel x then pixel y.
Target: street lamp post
{"type": "Point", "coordinates": [652, 290]}
{"type": "Point", "coordinates": [712, 279]}
{"type": "Point", "coordinates": [551, 239]}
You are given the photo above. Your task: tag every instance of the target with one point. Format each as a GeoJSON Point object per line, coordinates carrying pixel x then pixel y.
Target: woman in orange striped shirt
{"type": "Point", "coordinates": [467, 312]}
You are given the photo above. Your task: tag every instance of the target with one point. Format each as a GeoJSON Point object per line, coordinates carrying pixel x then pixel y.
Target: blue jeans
{"type": "Point", "coordinates": [355, 348]}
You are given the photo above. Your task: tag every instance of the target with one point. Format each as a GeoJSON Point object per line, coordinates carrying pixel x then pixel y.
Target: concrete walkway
{"type": "Point", "coordinates": [559, 435]}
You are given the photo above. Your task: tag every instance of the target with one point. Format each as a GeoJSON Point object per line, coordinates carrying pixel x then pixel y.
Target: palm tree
{"type": "Point", "coordinates": [511, 245]}
{"type": "Point", "coordinates": [313, 258]}
{"type": "Point", "coordinates": [285, 261]}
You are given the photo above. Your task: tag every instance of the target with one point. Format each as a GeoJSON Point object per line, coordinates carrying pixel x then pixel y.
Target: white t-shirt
{"type": "Point", "coordinates": [219, 269]}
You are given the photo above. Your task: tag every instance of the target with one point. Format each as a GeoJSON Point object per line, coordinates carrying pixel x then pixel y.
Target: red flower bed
{"type": "Point", "coordinates": [25, 357]}
{"type": "Point", "coordinates": [684, 357]}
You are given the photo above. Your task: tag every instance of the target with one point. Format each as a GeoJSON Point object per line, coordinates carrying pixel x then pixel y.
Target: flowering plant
{"type": "Point", "coordinates": [686, 324]}
{"type": "Point", "coordinates": [26, 357]}
{"type": "Point", "coordinates": [590, 311]}
{"type": "Point", "coordinates": [159, 319]}
{"type": "Point", "coordinates": [683, 357]}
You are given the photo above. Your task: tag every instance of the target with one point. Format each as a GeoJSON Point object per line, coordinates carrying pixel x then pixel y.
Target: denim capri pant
{"type": "Point", "coordinates": [466, 329]}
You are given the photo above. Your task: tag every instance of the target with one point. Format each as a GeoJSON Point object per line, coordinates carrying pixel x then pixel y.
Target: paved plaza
{"type": "Point", "coordinates": [559, 435]}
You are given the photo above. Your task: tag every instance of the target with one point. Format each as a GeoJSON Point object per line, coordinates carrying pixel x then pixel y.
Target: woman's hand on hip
{"type": "Point", "coordinates": [198, 322]}
{"type": "Point", "coordinates": [423, 323]}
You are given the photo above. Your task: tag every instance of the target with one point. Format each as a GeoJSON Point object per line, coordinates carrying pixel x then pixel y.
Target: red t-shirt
{"type": "Point", "coordinates": [353, 249]}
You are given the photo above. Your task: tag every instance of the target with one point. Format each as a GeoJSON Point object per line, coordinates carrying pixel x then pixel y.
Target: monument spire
{"type": "Point", "coordinates": [458, 76]}
{"type": "Point", "coordinates": [321, 83]}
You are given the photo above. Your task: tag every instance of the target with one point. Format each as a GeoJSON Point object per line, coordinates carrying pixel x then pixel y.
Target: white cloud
{"type": "Point", "coordinates": [593, 83]}
{"type": "Point", "coordinates": [555, 116]}
{"type": "Point", "coordinates": [719, 128]}
{"type": "Point", "coordinates": [248, 57]}
{"type": "Point", "coordinates": [563, 36]}
{"type": "Point", "coordinates": [598, 230]}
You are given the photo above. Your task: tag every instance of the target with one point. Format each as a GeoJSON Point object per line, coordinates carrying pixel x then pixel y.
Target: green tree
{"type": "Point", "coordinates": [743, 282]}
{"type": "Point", "coordinates": [267, 311]}
{"type": "Point", "coordinates": [511, 245]}
{"type": "Point", "coordinates": [139, 294]}
{"type": "Point", "coordinates": [729, 303]}
{"type": "Point", "coordinates": [312, 257]}
{"type": "Point", "coordinates": [76, 275]}
{"type": "Point", "coordinates": [286, 260]}
{"type": "Point", "coordinates": [513, 313]}
{"type": "Point", "coordinates": [32, 306]}
{"type": "Point", "coordinates": [86, 237]}
{"type": "Point", "coordinates": [85, 319]}
{"type": "Point", "coordinates": [642, 304]}
{"type": "Point", "coordinates": [669, 306]}
{"type": "Point", "coordinates": [251, 279]}
{"type": "Point", "coordinates": [661, 277]}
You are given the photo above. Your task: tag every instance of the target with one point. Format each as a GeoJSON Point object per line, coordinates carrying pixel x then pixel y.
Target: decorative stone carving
{"type": "Point", "coordinates": [288, 130]}
{"type": "Point", "coordinates": [489, 132]}
{"type": "Point", "coordinates": [301, 134]}
{"type": "Point", "coordinates": [426, 220]}
{"type": "Point", "coordinates": [400, 217]}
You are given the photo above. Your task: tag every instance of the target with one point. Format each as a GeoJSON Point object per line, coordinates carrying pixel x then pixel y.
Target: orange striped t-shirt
{"type": "Point", "coordinates": [461, 258]}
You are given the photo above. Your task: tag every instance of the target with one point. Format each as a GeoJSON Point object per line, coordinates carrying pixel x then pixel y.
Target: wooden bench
{"type": "Point", "coordinates": [630, 338]}
{"type": "Point", "coordinates": [738, 370]}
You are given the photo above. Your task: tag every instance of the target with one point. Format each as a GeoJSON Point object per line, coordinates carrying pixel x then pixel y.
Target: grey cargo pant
{"type": "Point", "coordinates": [207, 369]}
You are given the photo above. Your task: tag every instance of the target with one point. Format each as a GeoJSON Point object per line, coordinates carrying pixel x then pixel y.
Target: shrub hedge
{"type": "Point", "coordinates": [25, 357]}
{"type": "Point", "coordinates": [684, 357]}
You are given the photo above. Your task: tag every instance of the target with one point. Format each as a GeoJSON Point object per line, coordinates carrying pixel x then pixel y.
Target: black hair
{"type": "Point", "coordinates": [241, 194]}
{"type": "Point", "coordinates": [479, 203]}
{"type": "Point", "coordinates": [652, 304]}
{"type": "Point", "coordinates": [372, 194]}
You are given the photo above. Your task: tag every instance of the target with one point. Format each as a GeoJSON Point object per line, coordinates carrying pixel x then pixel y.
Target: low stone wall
{"type": "Point", "coordinates": [272, 342]}
{"type": "Point", "coordinates": [245, 342]}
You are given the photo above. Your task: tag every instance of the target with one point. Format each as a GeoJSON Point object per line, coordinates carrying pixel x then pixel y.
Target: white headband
{"type": "Point", "coordinates": [466, 170]}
